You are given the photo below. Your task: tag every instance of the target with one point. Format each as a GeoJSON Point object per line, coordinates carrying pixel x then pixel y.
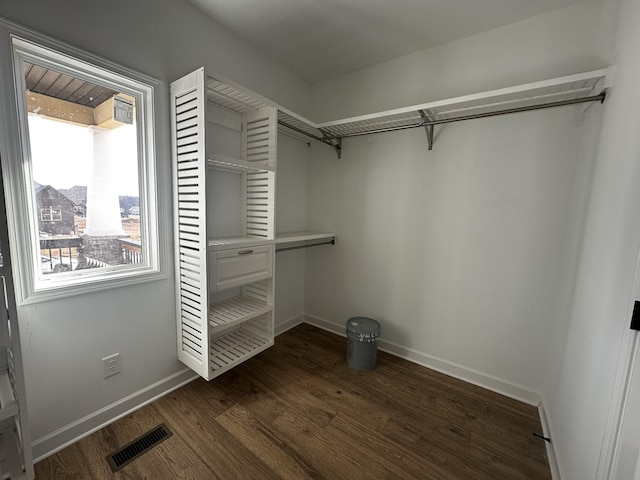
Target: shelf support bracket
{"type": "Point", "coordinates": [337, 146]}
{"type": "Point", "coordinates": [428, 127]}
{"type": "Point", "coordinates": [333, 142]}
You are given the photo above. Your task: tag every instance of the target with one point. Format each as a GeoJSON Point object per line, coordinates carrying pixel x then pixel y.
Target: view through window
{"type": "Point", "coordinates": [84, 159]}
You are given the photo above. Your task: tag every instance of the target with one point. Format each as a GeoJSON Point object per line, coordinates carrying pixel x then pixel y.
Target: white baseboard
{"type": "Point", "coordinates": [282, 327]}
{"type": "Point", "coordinates": [65, 436]}
{"type": "Point", "coordinates": [480, 379]}
{"type": "Point", "coordinates": [554, 466]}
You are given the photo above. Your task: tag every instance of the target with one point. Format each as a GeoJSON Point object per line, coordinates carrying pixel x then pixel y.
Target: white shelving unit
{"type": "Point", "coordinates": [16, 461]}
{"type": "Point", "coordinates": [224, 159]}
{"type": "Point", "coordinates": [224, 169]}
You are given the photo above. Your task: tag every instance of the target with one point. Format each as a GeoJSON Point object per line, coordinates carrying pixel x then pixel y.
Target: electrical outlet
{"type": "Point", "coordinates": [111, 365]}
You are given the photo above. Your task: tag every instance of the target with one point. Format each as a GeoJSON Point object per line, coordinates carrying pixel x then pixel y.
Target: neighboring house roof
{"type": "Point", "coordinates": [49, 189]}
{"type": "Point", "coordinates": [77, 194]}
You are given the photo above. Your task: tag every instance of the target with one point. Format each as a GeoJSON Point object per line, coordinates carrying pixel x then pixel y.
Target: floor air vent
{"type": "Point", "coordinates": [138, 447]}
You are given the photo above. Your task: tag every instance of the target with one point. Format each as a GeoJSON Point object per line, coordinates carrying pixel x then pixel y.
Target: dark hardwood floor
{"type": "Point", "coordinates": [297, 411]}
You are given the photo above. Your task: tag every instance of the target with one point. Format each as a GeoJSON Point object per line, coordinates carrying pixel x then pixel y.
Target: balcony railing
{"type": "Point", "coordinates": [66, 253]}
{"type": "Point", "coordinates": [60, 254]}
{"type": "Point", "coordinates": [131, 250]}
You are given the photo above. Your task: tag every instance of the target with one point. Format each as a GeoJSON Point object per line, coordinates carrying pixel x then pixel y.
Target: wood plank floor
{"type": "Point", "coordinates": [297, 411]}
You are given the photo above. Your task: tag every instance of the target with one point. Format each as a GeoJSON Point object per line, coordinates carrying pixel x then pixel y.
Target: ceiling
{"type": "Point", "coordinates": [322, 39]}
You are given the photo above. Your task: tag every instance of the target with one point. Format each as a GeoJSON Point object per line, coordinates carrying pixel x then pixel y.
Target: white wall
{"type": "Point", "coordinates": [64, 340]}
{"type": "Point", "coordinates": [291, 216]}
{"type": "Point", "coordinates": [557, 43]}
{"type": "Point", "coordinates": [463, 251]}
{"type": "Point", "coordinates": [458, 251]}
{"type": "Point", "coordinates": [582, 383]}
{"type": "Point", "coordinates": [627, 462]}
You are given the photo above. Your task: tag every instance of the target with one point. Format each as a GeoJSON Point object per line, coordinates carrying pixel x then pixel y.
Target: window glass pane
{"type": "Point", "coordinates": [84, 153]}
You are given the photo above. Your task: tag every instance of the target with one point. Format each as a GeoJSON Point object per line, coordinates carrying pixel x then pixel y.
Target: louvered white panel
{"type": "Point", "coordinates": [259, 137]}
{"type": "Point", "coordinates": [191, 338]}
{"type": "Point", "coordinates": [259, 204]}
{"type": "Point", "coordinates": [188, 105]}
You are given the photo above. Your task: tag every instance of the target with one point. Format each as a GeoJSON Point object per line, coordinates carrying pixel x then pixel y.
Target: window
{"type": "Point", "coordinates": [49, 214]}
{"type": "Point", "coordinates": [86, 170]}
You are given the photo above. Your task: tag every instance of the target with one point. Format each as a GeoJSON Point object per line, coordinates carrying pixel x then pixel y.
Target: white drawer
{"type": "Point", "coordinates": [233, 268]}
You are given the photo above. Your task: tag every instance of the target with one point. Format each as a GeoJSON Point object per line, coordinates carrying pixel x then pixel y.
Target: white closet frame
{"type": "Point", "coordinates": [226, 273]}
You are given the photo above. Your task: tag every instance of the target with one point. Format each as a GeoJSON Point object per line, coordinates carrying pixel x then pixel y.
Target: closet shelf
{"type": "Point", "coordinates": [235, 310]}
{"type": "Point", "coordinates": [224, 93]}
{"type": "Point", "coordinates": [230, 350]}
{"type": "Point", "coordinates": [225, 243]}
{"type": "Point", "coordinates": [290, 237]}
{"type": "Point", "coordinates": [8, 404]}
{"type": "Point", "coordinates": [304, 129]}
{"type": "Point", "coordinates": [572, 89]}
{"type": "Point", "coordinates": [294, 240]}
{"type": "Point", "coordinates": [221, 162]}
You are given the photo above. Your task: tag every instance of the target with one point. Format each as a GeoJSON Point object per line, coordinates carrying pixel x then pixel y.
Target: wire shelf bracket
{"type": "Point", "coordinates": [428, 127]}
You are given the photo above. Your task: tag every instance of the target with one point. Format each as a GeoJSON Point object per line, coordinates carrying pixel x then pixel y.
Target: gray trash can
{"type": "Point", "coordinates": [362, 343]}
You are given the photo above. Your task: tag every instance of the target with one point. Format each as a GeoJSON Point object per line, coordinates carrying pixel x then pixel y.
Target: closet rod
{"type": "Point", "coordinates": [284, 249]}
{"type": "Point", "coordinates": [594, 98]}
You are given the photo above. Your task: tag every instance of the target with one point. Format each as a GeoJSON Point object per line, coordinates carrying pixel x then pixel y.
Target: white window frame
{"type": "Point", "coordinates": [31, 287]}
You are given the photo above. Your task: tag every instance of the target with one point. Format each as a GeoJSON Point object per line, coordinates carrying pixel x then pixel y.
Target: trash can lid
{"type": "Point", "coordinates": [360, 325]}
